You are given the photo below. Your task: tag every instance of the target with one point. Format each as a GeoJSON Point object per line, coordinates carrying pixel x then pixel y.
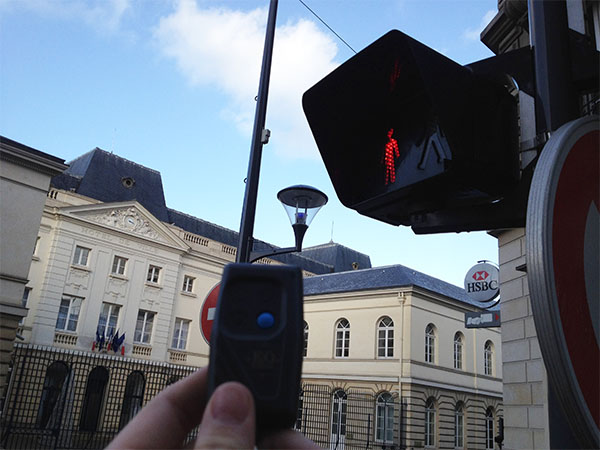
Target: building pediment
{"type": "Point", "coordinates": [127, 217]}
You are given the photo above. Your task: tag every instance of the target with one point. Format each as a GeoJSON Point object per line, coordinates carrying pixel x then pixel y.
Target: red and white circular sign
{"type": "Point", "coordinates": [563, 266]}
{"type": "Point", "coordinates": [208, 311]}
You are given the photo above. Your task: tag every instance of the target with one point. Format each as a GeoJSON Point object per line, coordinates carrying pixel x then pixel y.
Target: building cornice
{"type": "Point", "coordinates": [450, 387]}
{"type": "Point", "coordinates": [31, 158]}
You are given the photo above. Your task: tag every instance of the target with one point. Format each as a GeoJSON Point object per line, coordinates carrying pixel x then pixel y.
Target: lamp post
{"type": "Point", "coordinates": [259, 137]}
{"type": "Point", "coordinates": [301, 204]}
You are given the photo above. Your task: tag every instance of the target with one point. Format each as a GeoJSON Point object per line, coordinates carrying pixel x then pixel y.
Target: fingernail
{"type": "Point", "coordinates": [230, 404]}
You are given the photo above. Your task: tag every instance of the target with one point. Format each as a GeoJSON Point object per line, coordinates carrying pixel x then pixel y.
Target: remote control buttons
{"type": "Point", "coordinates": [265, 320]}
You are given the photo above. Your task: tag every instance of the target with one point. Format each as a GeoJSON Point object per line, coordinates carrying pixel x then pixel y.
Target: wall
{"type": "Point", "coordinates": [525, 385]}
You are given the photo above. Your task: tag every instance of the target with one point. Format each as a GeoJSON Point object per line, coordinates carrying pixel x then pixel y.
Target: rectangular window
{"type": "Point", "coordinates": [384, 419]}
{"type": "Point", "coordinates": [143, 327]}
{"type": "Point", "coordinates": [81, 256]}
{"type": "Point", "coordinates": [180, 334]}
{"type": "Point", "coordinates": [429, 428]}
{"type": "Point", "coordinates": [118, 267]}
{"type": "Point", "coordinates": [24, 301]}
{"type": "Point", "coordinates": [153, 274]}
{"type": "Point", "coordinates": [108, 320]}
{"type": "Point", "coordinates": [457, 354]}
{"type": "Point", "coordinates": [36, 246]}
{"type": "Point", "coordinates": [459, 429]}
{"type": "Point", "coordinates": [68, 313]}
{"type": "Point", "coordinates": [489, 431]}
{"type": "Point", "coordinates": [342, 344]}
{"type": "Point", "coordinates": [188, 284]}
{"type": "Point", "coordinates": [385, 343]}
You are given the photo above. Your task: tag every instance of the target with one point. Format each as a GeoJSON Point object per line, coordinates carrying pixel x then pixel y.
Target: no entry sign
{"type": "Point", "coordinates": [207, 312]}
{"type": "Point", "coordinates": [562, 265]}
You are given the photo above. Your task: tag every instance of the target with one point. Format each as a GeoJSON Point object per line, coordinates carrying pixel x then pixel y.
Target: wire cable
{"type": "Point", "coordinates": [324, 23]}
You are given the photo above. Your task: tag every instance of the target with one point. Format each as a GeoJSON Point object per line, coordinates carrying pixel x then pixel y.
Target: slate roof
{"type": "Point", "coordinates": [99, 174]}
{"type": "Point", "coordinates": [230, 237]}
{"type": "Point", "coordinates": [340, 257]}
{"type": "Point", "coordinates": [381, 278]}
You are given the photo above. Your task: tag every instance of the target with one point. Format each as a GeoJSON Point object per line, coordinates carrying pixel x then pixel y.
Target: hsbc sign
{"type": "Point", "coordinates": [481, 282]}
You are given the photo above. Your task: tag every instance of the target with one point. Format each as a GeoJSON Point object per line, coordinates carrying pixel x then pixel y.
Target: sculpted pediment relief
{"type": "Point", "coordinates": [129, 217]}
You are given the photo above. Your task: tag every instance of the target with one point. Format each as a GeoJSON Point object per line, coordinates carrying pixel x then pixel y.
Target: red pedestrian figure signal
{"type": "Point", "coordinates": [390, 154]}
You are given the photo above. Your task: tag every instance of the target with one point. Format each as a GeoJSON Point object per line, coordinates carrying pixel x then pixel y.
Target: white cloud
{"type": "Point", "coordinates": [472, 34]}
{"type": "Point", "coordinates": [222, 48]}
{"type": "Point", "coordinates": [104, 16]}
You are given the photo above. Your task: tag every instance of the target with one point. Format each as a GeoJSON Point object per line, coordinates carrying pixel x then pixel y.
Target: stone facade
{"type": "Point", "coordinates": [524, 373]}
{"type": "Point", "coordinates": [25, 175]}
{"type": "Point", "coordinates": [101, 268]}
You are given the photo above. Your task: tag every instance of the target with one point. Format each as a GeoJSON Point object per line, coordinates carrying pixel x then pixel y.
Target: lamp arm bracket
{"type": "Point", "coordinates": [254, 256]}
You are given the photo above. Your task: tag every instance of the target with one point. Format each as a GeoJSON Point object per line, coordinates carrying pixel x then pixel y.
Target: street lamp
{"type": "Point", "coordinates": [301, 204]}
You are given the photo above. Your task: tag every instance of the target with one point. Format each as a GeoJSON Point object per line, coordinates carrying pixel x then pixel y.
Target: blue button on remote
{"type": "Point", "coordinates": [265, 320]}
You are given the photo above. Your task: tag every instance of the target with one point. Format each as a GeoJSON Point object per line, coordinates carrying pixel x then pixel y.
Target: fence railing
{"type": "Point", "coordinates": [59, 398]}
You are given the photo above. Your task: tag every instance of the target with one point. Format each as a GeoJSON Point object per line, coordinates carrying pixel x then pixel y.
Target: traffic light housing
{"type": "Point", "coordinates": [405, 132]}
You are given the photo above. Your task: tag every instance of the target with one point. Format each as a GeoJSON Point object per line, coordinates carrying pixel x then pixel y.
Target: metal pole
{"type": "Point", "coordinates": [555, 96]}
{"type": "Point", "coordinates": [249, 209]}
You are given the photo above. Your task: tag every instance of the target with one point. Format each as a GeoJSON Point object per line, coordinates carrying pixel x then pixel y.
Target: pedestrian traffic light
{"type": "Point", "coordinates": [404, 131]}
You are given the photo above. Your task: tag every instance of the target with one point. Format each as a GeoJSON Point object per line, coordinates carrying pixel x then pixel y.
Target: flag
{"type": "Point", "coordinates": [118, 341]}
{"type": "Point", "coordinates": [101, 342]}
{"type": "Point", "coordinates": [96, 342]}
{"type": "Point", "coordinates": [109, 339]}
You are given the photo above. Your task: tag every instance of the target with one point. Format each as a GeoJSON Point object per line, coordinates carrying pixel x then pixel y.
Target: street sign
{"type": "Point", "coordinates": [481, 282]}
{"type": "Point", "coordinates": [563, 266]}
{"type": "Point", "coordinates": [484, 319]}
{"type": "Point", "coordinates": [207, 312]}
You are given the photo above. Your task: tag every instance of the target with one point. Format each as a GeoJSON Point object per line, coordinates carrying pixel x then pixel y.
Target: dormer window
{"type": "Point", "coordinates": [127, 182]}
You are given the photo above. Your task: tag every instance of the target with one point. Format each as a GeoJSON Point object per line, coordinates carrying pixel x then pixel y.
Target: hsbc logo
{"type": "Point", "coordinates": [482, 286]}
{"type": "Point", "coordinates": [481, 275]}
{"type": "Point", "coordinates": [481, 282]}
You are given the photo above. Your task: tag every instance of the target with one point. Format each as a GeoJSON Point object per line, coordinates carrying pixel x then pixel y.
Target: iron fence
{"type": "Point", "coordinates": [58, 398]}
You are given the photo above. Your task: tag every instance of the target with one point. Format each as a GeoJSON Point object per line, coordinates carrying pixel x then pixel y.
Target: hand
{"type": "Point", "coordinates": [227, 421]}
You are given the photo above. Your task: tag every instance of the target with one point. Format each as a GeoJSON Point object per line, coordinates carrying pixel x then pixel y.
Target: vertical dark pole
{"type": "Point", "coordinates": [249, 209]}
{"type": "Point", "coordinates": [556, 98]}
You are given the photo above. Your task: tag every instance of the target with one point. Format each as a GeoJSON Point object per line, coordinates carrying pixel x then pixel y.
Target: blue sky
{"type": "Point", "coordinates": [171, 85]}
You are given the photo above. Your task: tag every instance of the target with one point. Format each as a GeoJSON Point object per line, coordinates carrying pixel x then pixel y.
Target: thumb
{"type": "Point", "coordinates": [229, 419]}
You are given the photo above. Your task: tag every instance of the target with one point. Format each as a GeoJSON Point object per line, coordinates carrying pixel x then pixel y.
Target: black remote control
{"type": "Point", "coordinates": [257, 339]}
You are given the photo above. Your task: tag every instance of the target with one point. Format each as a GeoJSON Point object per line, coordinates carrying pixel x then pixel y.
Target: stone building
{"type": "Point", "coordinates": [25, 175]}
{"type": "Point", "coordinates": [115, 293]}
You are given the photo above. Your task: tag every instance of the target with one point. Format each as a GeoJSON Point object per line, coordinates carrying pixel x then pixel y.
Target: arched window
{"type": "Point", "coordinates": [384, 418]}
{"type": "Point", "coordinates": [305, 339]}
{"type": "Point", "coordinates": [458, 350]}
{"type": "Point", "coordinates": [133, 398]}
{"type": "Point", "coordinates": [342, 339]}
{"type": "Point", "coordinates": [93, 398]}
{"type": "Point", "coordinates": [488, 358]}
{"type": "Point", "coordinates": [430, 343]}
{"type": "Point", "coordinates": [339, 407]}
{"type": "Point", "coordinates": [459, 425]}
{"type": "Point", "coordinates": [489, 428]}
{"type": "Point", "coordinates": [53, 394]}
{"type": "Point", "coordinates": [385, 338]}
{"type": "Point", "coordinates": [430, 418]}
